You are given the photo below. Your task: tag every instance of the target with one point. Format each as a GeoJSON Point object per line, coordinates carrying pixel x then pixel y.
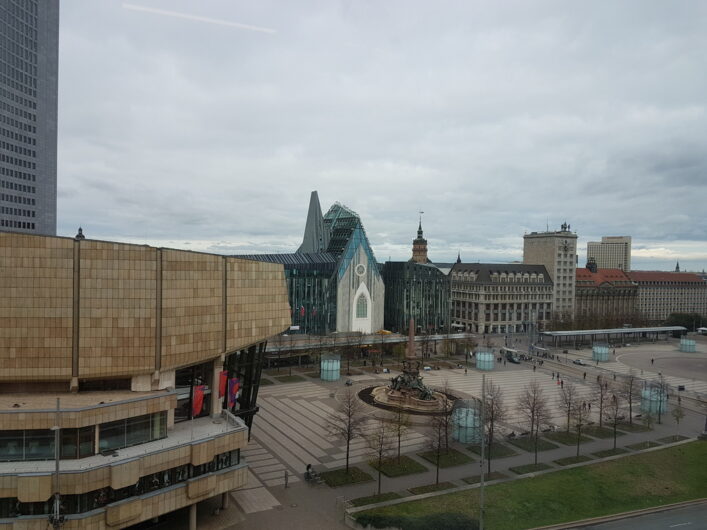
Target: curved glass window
{"type": "Point", "coordinates": [361, 307]}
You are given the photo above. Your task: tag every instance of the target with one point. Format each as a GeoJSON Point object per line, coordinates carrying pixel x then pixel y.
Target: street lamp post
{"type": "Point", "coordinates": [483, 448]}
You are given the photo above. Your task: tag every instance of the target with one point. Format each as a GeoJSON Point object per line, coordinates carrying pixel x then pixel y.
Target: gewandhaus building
{"type": "Point", "coordinates": [128, 377]}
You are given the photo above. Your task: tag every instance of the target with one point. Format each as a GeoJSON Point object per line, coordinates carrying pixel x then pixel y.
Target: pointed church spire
{"type": "Point", "coordinates": [459, 256]}
{"type": "Point", "coordinates": [677, 266]}
{"type": "Point", "coordinates": [316, 236]}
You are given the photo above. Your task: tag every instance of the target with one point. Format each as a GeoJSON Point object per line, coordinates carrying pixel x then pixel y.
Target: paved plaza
{"type": "Point", "coordinates": [291, 431]}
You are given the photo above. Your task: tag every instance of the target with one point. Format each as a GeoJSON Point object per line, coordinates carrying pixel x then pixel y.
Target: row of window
{"type": "Point", "coordinates": [7, 120]}
{"type": "Point", "coordinates": [85, 502]}
{"type": "Point", "coordinates": [17, 187]}
{"type": "Point", "coordinates": [16, 98]}
{"type": "Point", "coordinates": [10, 223]}
{"type": "Point", "coordinates": [19, 86]}
{"type": "Point", "coordinates": [23, 151]}
{"type": "Point", "coordinates": [17, 198]}
{"type": "Point", "coordinates": [38, 444]}
{"type": "Point", "coordinates": [18, 161]}
{"type": "Point", "coordinates": [17, 211]}
{"type": "Point", "coordinates": [17, 174]}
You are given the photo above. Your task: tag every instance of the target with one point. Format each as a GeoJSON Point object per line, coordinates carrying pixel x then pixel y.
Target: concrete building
{"type": "Point", "coordinates": [613, 252]}
{"type": "Point", "coordinates": [662, 293]}
{"type": "Point", "coordinates": [557, 251]}
{"type": "Point", "coordinates": [419, 247]}
{"type": "Point", "coordinates": [106, 350]}
{"type": "Point", "coordinates": [605, 298]}
{"type": "Point", "coordinates": [500, 298]}
{"type": "Point", "coordinates": [29, 56]}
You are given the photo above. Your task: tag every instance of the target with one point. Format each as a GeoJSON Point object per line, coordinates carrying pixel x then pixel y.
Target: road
{"type": "Point", "coordinates": [688, 518]}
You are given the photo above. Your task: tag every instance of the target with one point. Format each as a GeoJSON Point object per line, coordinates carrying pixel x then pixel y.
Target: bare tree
{"type": "Point", "coordinates": [347, 422]}
{"type": "Point", "coordinates": [380, 442]}
{"type": "Point", "coordinates": [446, 416]}
{"type": "Point", "coordinates": [439, 432]}
{"type": "Point", "coordinates": [533, 406]}
{"type": "Point", "coordinates": [647, 418]}
{"type": "Point", "coordinates": [630, 387]}
{"type": "Point", "coordinates": [495, 412]}
{"type": "Point", "coordinates": [568, 397]}
{"type": "Point", "coordinates": [678, 414]}
{"type": "Point", "coordinates": [612, 412]}
{"type": "Point", "coordinates": [580, 416]}
{"type": "Point", "coordinates": [400, 423]}
{"type": "Point", "coordinates": [601, 394]}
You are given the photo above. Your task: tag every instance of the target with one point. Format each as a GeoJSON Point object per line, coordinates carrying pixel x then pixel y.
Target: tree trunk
{"type": "Point", "coordinates": [490, 442]}
{"type": "Point", "coordinates": [437, 475]}
{"type": "Point", "coordinates": [380, 466]}
{"type": "Point", "coordinates": [630, 408]}
{"type": "Point", "coordinates": [614, 435]}
{"type": "Point", "coordinates": [348, 447]}
{"type": "Point", "coordinates": [579, 436]}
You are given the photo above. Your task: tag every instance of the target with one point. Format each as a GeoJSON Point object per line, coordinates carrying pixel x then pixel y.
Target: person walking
{"type": "Point", "coordinates": [652, 361]}
{"type": "Point", "coordinates": [562, 383]}
{"type": "Point", "coordinates": [585, 376]}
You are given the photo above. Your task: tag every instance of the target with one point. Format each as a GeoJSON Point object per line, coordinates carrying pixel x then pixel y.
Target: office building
{"type": "Point", "coordinates": [613, 252]}
{"type": "Point", "coordinates": [500, 298]}
{"type": "Point", "coordinates": [147, 361]}
{"type": "Point", "coordinates": [557, 251]}
{"type": "Point", "coordinates": [663, 293]}
{"type": "Point", "coordinates": [605, 298]}
{"type": "Point", "coordinates": [29, 56]}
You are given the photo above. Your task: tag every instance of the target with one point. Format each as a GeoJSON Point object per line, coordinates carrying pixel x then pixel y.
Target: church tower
{"type": "Point", "coordinates": [419, 247]}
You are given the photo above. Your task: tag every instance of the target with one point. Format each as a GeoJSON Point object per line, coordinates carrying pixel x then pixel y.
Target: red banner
{"type": "Point", "coordinates": [234, 385]}
{"type": "Point", "coordinates": [197, 401]}
{"type": "Point", "coordinates": [222, 382]}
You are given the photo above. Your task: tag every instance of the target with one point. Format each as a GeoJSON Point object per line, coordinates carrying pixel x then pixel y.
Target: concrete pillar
{"type": "Point", "coordinates": [215, 400]}
{"type": "Point", "coordinates": [224, 500]}
{"type": "Point", "coordinates": [192, 517]}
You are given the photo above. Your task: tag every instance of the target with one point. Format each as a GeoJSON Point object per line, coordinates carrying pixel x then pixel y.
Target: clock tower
{"type": "Point", "coordinates": [419, 246]}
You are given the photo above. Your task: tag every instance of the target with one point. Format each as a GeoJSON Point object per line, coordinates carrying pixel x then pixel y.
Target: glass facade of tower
{"type": "Point", "coordinates": [29, 48]}
{"type": "Point", "coordinates": [414, 290]}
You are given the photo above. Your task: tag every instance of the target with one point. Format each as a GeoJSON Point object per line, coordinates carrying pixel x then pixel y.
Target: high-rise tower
{"type": "Point", "coordinates": [29, 57]}
{"type": "Point", "coordinates": [613, 252]}
{"type": "Point", "coordinates": [558, 252]}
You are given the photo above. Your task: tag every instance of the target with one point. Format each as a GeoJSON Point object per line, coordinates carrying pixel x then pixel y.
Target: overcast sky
{"type": "Point", "coordinates": [206, 124]}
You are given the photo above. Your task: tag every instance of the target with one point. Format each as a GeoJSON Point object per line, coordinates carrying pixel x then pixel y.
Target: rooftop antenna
{"type": "Point", "coordinates": [547, 224]}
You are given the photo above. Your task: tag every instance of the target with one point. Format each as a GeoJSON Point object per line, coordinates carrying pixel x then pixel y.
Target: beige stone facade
{"type": "Point", "coordinates": [500, 298]}
{"type": "Point", "coordinates": [612, 252]}
{"type": "Point", "coordinates": [113, 331]}
{"type": "Point", "coordinates": [663, 293]}
{"type": "Point", "coordinates": [605, 298]}
{"type": "Point", "coordinates": [557, 251]}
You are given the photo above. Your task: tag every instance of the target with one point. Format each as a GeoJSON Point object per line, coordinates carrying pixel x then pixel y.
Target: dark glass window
{"type": "Point", "coordinates": [39, 444]}
{"type": "Point", "coordinates": [11, 445]}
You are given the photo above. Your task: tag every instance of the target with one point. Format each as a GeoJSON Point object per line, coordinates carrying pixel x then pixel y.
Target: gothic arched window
{"type": "Point", "coordinates": [361, 307]}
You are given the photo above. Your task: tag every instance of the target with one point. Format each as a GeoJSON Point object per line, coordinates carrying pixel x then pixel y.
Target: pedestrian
{"type": "Point", "coordinates": [562, 383]}
{"type": "Point", "coordinates": [585, 376]}
{"type": "Point", "coordinates": [590, 406]}
{"type": "Point", "coordinates": [652, 361]}
{"type": "Point", "coordinates": [465, 371]}
{"type": "Point", "coordinates": [533, 368]}
{"type": "Point", "coordinates": [286, 478]}
{"type": "Point", "coordinates": [553, 376]}
{"type": "Point", "coordinates": [614, 377]}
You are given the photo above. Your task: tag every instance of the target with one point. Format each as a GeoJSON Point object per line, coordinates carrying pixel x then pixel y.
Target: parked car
{"type": "Point", "coordinates": [580, 362]}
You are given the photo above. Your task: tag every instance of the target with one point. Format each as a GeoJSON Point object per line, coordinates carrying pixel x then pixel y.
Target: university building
{"type": "Point", "coordinates": [333, 280]}
{"type": "Point", "coordinates": [138, 367]}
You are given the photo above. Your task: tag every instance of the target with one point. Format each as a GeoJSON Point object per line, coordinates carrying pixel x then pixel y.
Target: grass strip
{"type": "Point", "coordinates": [610, 452]}
{"type": "Point", "coordinates": [431, 487]}
{"type": "Point", "coordinates": [566, 438]}
{"type": "Point", "coordinates": [339, 477]}
{"type": "Point", "coordinates": [373, 499]}
{"type": "Point", "coordinates": [488, 477]}
{"type": "Point", "coordinates": [637, 481]}
{"type": "Point", "coordinates": [643, 445]}
{"type": "Point", "coordinates": [498, 450]}
{"type": "Point", "coordinates": [530, 468]}
{"type": "Point", "coordinates": [528, 444]}
{"type": "Point", "coordinates": [568, 461]}
{"type": "Point", "coordinates": [394, 467]}
{"type": "Point", "coordinates": [450, 458]}
{"type": "Point", "coordinates": [672, 439]}
{"type": "Point", "coordinates": [601, 432]}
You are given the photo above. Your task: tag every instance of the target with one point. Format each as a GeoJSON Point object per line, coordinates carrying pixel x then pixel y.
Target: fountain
{"type": "Point", "coordinates": [407, 391]}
